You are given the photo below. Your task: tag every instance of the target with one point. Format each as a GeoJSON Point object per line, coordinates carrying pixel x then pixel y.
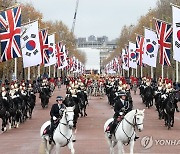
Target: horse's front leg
{"type": "Point", "coordinates": [57, 148]}
{"type": "Point", "coordinates": [120, 147]}
{"type": "Point", "coordinates": [131, 147]}
{"type": "Point", "coordinates": [172, 120]}
{"type": "Point", "coordinates": [71, 147]}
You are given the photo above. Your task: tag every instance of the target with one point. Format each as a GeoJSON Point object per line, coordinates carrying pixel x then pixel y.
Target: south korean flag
{"type": "Point", "coordinates": [176, 33]}
{"type": "Point", "coordinates": [150, 48]}
{"type": "Point", "coordinates": [30, 45]}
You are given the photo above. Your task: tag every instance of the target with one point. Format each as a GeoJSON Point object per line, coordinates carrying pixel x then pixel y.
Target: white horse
{"type": "Point", "coordinates": [125, 131]}
{"type": "Point", "coordinates": [63, 134]}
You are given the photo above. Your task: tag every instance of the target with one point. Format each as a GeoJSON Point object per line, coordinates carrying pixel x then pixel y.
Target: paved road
{"type": "Point", "coordinates": [90, 137]}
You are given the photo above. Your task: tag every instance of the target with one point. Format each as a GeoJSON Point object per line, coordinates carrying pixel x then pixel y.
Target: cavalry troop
{"type": "Point", "coordinates": [165, 94]}
{"type": "Point", "coordinates": [18, 99]}
{"type": "Point", "coordinates": [17, 102]}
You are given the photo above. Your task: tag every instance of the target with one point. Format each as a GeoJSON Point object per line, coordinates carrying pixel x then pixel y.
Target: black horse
{"type": "Point", "coordinates": [148, 96]}
{"type": "Point", "coordinates": [169, 109]}
{"type": "Point", "coordinates": [83, 102]}
{"type": "Point", "coordinates": [31, 100]}
{"type": "Point", "coordinates": [70, 101]}
{"type": "Point", "coordinates": [44, 95]}
{"type": "Point", "coordinates": [3, 114]}
{"type": "Point", "coordinates": [159, 105]}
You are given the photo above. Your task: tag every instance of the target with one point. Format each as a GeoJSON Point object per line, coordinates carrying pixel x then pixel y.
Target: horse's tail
{"type": "Point", "coordinates": [42, 147]}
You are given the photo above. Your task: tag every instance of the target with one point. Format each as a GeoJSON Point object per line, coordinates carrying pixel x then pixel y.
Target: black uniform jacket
{"type": "Point", "coordinates": [55, 110]}
{"type": "Point", "coordinates": [117, 108]}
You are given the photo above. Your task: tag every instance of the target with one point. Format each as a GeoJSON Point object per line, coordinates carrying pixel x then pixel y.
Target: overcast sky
{"type": "Point", "coordinates": [94, 17]}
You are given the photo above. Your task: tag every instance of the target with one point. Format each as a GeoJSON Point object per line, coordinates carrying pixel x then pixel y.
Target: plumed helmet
{"type": "Point", "coordinates": [15, 85]}
{"type": "Point", "coordinates": [59, 98]}
{"type": "Point", "coordinates": [12, 86]}
{"type": "Point", "coordinates": [3, 89]}
{"type": "Point", "coordinates": [169, 85]}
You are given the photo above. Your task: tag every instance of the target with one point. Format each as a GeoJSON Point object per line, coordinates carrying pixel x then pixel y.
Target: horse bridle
{"type": "Point", "coordinates": [68, 139]}
{"type": "Point", "coordinates": [134, 124]}
{"type": "Point", "coordinates": [66, 119]}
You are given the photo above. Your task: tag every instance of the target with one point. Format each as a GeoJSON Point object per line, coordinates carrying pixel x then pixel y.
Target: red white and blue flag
{"type": "Point", "coordinates": [164, 33]}
{"type": "Point", "coordinates": [43, 39]}
{"type": "Point", "coordinates": [59, 54]}
{"type": "Point", "coordinates": [10, 32]}
{"type": "Point", "coordinates": [139, 49]}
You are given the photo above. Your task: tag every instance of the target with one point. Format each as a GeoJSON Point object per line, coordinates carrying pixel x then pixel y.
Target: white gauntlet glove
{"type": "Point", "coordinates": [54, 118]}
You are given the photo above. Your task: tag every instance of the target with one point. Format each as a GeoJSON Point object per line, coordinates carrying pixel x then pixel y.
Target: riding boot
{"type": "Point", "coordinates": [112, 128]}
{"type": "Point", "coordinates": [177, 110]}
{"type": "Point", "coordinates": [51, 133]}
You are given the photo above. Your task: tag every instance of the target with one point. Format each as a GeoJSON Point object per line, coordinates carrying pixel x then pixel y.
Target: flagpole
{"type": "Point", "coordinates": [162, 72]}
{"type": "Point", "coordinates": [152, 73]}
{"type": "Point", "coordinates": [141, 71]}
{"type": "Point", "coordinates": [151, 66]}
{"type": "Point", "coordinates": [136, 72]}
{"type": "Point", "coordinates": [39, 71]}
{"type": "Point", "coordinates": [29, 70]}
{"type": "Point", "coordinates": [132, 71]}
{"type": "Point", "coordinates": [49, 71]}
{"type": "Point", "coordinates": [177, 72]}
{"type": "Point", "coordinates": [54, 71]}
{"type": "Point", "coordinates": [15, 68]}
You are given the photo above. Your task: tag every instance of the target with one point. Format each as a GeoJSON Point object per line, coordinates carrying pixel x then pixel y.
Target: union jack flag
{"type": "Point", "coordinates": [10, 30]}
{"type": "Point", "coordinates": [139, 49]}
{"type": "Point", "coordinates": [43, 39]}
{"type": "Point", "coordinates": [164, 32]}
{"type": "Point", "coordinates": [59, 54]}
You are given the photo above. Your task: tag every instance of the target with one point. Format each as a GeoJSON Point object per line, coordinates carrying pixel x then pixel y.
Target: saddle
{"type": "Point", "coordinates": [119, 119]}
{"type": "Point", "coordinates": [46, 130]}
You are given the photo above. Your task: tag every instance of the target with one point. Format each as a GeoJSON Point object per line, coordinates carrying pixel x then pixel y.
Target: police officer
{"type": "Point", "coordinates": [119, 107]}
{"type": "Point", "coordinates": [56, 114]}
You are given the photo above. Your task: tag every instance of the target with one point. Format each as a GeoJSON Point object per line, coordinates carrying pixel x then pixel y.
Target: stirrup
{"type": "Point", "coordinates": [110, 136]}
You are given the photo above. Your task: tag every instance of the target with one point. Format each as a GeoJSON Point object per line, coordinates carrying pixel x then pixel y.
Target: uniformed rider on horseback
{"type": "Point", "coordinates": [56, 114]}
{"type": "Point", "coordinates": [120, 110]}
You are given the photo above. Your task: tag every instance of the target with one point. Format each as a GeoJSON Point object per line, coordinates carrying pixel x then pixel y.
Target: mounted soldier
{"type": "Point", "coordinates": [169, 90]}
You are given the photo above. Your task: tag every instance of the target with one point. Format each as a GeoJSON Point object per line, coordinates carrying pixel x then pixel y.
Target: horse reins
{"type": "Point", "coordinates": [134, 124]}
{"type": "Point", "coordinates": [68, 139]}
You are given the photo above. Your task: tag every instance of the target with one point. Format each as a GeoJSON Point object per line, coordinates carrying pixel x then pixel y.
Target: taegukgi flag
{"type": "Point", "coordinates": [30, 45]}
{"type": "Point", "coordinates": [132, 55]}
{"type": "Point", "coordinates": [150, 47]}
{"type": "Point", "coordinates": [125, 60]}
{"type": "Point", "coordinates": [176, 33]}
